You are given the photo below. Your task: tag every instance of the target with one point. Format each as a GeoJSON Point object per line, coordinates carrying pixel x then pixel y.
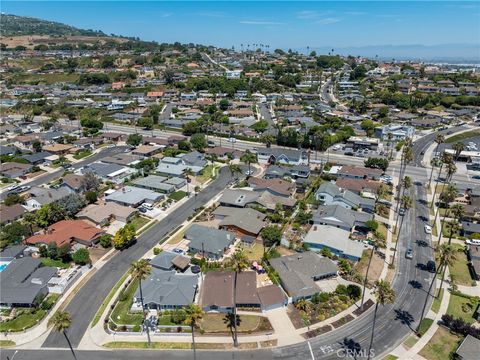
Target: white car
{"type": "Point", "coordinates": [428, 229]}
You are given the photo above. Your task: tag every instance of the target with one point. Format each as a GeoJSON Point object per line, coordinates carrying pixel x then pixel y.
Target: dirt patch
{"type": "Point", "coordinates": [268, 343]}
{"type": "Point", "coordinates": [30, 41]}
{"type": "Point", "coordinates": [316, 332]}
{"type": "Point", "coordinates": [376, 266]}
{"type": "Point", "coordinates": [248, 345]}
{"type": "Point", "coordinates": [284, 251]}
{"type": "Point", "coordinates": [342, 321]}
{"type": "Point", "coordinates": [97, 253]}
{"type": "Point", "coordinates": [367, 305]}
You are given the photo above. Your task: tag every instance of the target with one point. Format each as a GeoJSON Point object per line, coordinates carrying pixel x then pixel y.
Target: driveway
{"type": "Point", "coordinates": [283, 327]}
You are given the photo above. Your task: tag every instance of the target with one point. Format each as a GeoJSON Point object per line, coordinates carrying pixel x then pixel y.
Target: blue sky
{"type": "Point", "coordinates": [281, 24]}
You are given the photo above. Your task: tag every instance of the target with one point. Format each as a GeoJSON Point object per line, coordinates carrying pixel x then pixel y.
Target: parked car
{"type": "Point", "coordinates": [178, 251]}
{"type": "Point", "coordinates": [473, 242]}
{"type": "Point", "coordinates": [428, 229]}
{"type": "Point", "coordinates": [431, 267]}
{"type": "Point", "coordinates": [211, 143]}
{"type": "Point", "coordinates": [401, 212]}
{"type": "Point", "coordinates": [409, 254]}
{"type": "Point", "coordinates": [147, 206]}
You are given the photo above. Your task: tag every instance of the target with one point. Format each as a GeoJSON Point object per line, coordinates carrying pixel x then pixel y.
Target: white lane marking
{"type": "Point", "coordinates": [310, 348]}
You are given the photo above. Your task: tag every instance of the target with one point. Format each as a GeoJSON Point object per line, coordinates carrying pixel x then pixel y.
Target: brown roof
{"type": "Point", "coordinates": [181, 262]}
{"type": "Point", "coordinates": [270, 295]}
{"type": "Point", "coordinates": [146, 149]}
{"type": "Point", "coordinates": [57, 148]}
{"type": "Point", "coordinates": [10, 213]}
{"type": "Point", "coordinates": [278, 185]}
{"type": "Point", "coordinates": [74, 181]}
{"type": "Point", "coordinates": [218, 289]}
{"type": "Point", "coordinates": [359, 170]}
{"type": "Point", "coordinates": [247, 288]}
{"type": "Point", "coordinates": [66, 231]}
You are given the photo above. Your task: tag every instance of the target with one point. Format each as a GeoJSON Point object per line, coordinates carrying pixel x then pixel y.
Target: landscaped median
{"type": "Point", "coordinates": [6, 343]}
{"type": "Point", "coordinates": [183, 345]}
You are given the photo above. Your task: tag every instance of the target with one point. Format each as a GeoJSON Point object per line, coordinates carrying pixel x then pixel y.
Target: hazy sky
{"type": "Point", "coordinates": [285, 24]}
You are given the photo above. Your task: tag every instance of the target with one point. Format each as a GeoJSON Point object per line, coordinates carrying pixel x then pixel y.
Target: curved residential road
{"type": "Point", "coordinates": [89, 298]}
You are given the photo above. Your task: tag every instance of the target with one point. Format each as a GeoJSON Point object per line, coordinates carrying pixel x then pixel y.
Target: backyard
{"type": "Point", "coordinates": [255, 252]}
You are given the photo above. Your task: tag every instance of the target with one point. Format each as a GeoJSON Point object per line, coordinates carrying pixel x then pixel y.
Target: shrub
{"type": "Point", "coordinates": [157, 251]}
{"type": "Point", "coordinates": [354, 291]}
{"type": "Point", "coordinates": [136, 328]}
{"type": "Point", "coordinates": [459, 326]}
{"type": "Point", "coordinates": [341, 290]}
{"type": "Point", "coordinates": [106, 240]}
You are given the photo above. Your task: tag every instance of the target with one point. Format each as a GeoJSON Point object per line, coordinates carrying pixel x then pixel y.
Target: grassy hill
{"type": "Point", "coordinates": [13, 25]}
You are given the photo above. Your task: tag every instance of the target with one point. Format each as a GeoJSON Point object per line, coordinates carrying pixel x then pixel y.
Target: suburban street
{"type": "Point", "coordinates": [89, 298]}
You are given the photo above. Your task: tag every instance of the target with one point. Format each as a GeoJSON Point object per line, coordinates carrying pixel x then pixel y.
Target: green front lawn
{"type": "Point", "coordinates": [254, 253]}
{"type": "Point", "coordinates": [437, 301]}
{"type": "Point", "coordinates": [82, 154]}
{"type": "Point", "coordinates": [441, 346]}
{"type": "Point", "coordinates": [25, 319]}
{"type": "Point", "coordinates": [459, 269]}
{"type": "Point", "coordinates": [121, 314]}
{"type": "Point", "coordinates": [205, 175]}
{"type": "Point", "coordinates": [55, 263]}
{"type": "Point", "coordinates": [462, 306]}
{"type": "Point", "coordinates": [177, 195]}
{"type": "Point", "coordinates": [424, 326]}
{"type": "Point", "coordinates": [6, 343]}
{"type": "Point", "coordinates": [139, 221]}
{"type": "Point", "coordinates": [462, 136]}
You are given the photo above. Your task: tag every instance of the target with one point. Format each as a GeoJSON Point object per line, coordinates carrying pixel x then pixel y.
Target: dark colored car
{"type": "Point", "coordinates": [431, 267]}
{"type": "Point", "coordinates": [195, 269]}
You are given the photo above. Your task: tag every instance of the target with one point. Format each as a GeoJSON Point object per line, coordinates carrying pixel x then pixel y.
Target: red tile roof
{"type": "Point", "coordinates": [66, 231]}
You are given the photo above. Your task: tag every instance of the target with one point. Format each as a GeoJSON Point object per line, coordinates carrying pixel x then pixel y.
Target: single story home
{"type": "Point", "coordinates": [242, 221]}
{"type": "Point", "coordinates": [167, 260]}
{"type": "Point", "coordinates": [133, 196]}
{"type": "Point", "coordinates": [109, 172]}
{"type": "Point", "coordinates": [9, 214]}
{"type": "Point", "coordinates": [334, 239]}
{"type": "Point", "coordinates": [101, 214]}
{"type": "Point", "coordinates": [340, 217]}
{"type": "Point", "coordinates": [282, 156]}
{"type": "Point", "coordinates": [155, 183]}
{"type": "Point", "coordinates": [299, 272]}
{"type": "Point", "coordinates": [209, 242]}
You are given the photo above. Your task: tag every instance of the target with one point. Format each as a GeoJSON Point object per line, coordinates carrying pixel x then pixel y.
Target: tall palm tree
{"type": "Point", "coordinates": [384, 294]}
{"type": "Point", "coordinates": [376, 244]}
{"type": "Point", "coordinates": [439, 139]}
{"type": "Point", "coordinates": [239, 263]}
{"type": "Point", "coordinates": [458, 212]}
{"type": "Point", "coordinates": [140, 270]}
{"type": "Point", "coordinates": [446, 255]}
{"type": "Point", "coordinates": [61, 321]}
{"type": "Point", "coordinates": [458, 147]}
{"type": "Point", "coordinates": [406, 183]}
{"type": "Point", "coordinates": [447, 196]}
{"type": "Point", "coordinates": [194, 315]}
{"type": "Point", "coordinates": [407, 157]}
{"type": "Point", "coordinates": [446, 159]}
{"type": "Point", "coordinates": [249, 158]}
{"type": "Point", "coordinates": [406, 202]}
{"type": "Point", "coordinates": [235, 170]}
{"type": "Point", "coordinates": [187, 172]}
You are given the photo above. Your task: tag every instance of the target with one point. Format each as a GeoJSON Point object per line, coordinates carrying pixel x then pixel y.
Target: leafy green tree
{"type": "Point", "coordinates": [198, 141]}
{"type": "Point", "coordinates": [271, 235]}
{"type": "Point", "coordinates": [368, 126]}
{"type": "Point", "coordinates": [223, 104]}
{"type": "Point", "coordinates": [249, 158]}
{"type": "Point", "coordinates": [37, 146]}
{"type": "Point", "coordinates": [124, 236]}
{"type": "Point", "coordinates": [140, 270]}
{"type": "Point", "coordinates": [134, 139]}
{"type": "Point", "coordinates": [377, 163]}
{"type": "Point", "coordinates": [106, 241]}
{"type": "Point", "coordinates": [13, 233]}
{"type": "Point", "coordinates": [91, 196]}
{"type": "Point", "coordinates": [371, 225]}
{"type": "Point", "coordinates": [145, 123]}
{"type": "Point", "coordinates": [13, 199]}
{"type": "Point", "coordinates": [81, 257]}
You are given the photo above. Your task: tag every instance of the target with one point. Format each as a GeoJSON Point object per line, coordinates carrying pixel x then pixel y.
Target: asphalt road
{"type": "Point", "coordinates": [57, 173]}
{"type": "Point", "coordinates": [89, 298]}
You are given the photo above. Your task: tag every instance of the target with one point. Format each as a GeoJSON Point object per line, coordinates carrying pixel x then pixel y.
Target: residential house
{"type": "Point", "coordinates": [330, 194]}
{"type": "Point", "coordinates": [167, 260]}
{"type": "Point", "coordinates": [37, 158]}
{"type": "Point", "coordinates": [133, 196]}
{"type": "Point", "coordinates": [122, 159]}
{"type": "Point", "coordinates": [167, 289]}
{"type": "Point", "coordinates": [468, 349]}
{"type": "Point", "coordinates": [358, 186]}
{"type": "Point", "coordinates": [66, 232]}
{"type": "Point", "coordinates": [146, 150]}
{"type": "Point", "coordinates": [12, 252]}
{"type": "Point", "coordinates": [9, 214]}
{"type": "Point", "coordinates": [14, 170]}
{"type": "Point", "coordinates": [39, 196]}
{"type": "Point", "coordinates": [299, 272]}
{"type": "Point", "coordinates": [57, 149]}
{"type": "Point", "coordinates": [242, 221]}
{"type": "Point", "coordinates": [276, 187]}
{"type": "Point", "coordinates": [474, 257]}
{"type": "Point", "coordinates": [282, 156]}
{"type": "Point", "coordinates": [336, 240]}
{"type": "Point", "coordinates": [209, 242]}
{"type": "Point", "coordinates": [470, 228]}
{"type": "Point", "coordinates": [109, 172]}
{"type": "Point", "coordinates": [359, 172]}
{"type": "Point", "coordinates": [102, 214]}
{"type": "Point", "coordinates": [155, 183]}
{"type": "Point", "coordinates": [23, 283]}
{"type": "Point", "coordinates": [238, 197]}
{"type": "Point", "coordinates": [74, 183]}
{"type": "Point", "coordinates": [340, 217]}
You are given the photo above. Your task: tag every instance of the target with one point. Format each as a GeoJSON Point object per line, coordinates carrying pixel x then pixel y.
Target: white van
{"type": "Point", "coordinates": [473, 242]}
{"type": "Point", "coordinates": [147, 206]}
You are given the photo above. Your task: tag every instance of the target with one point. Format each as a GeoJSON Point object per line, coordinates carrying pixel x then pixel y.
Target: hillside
{"type": "Point", "coordinates": [13, 25]}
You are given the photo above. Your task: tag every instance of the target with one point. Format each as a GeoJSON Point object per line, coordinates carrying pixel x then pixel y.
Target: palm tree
{"type": "Point", "coordinates": [446, 159]}
{"type": "Point", "coordinates": [248, 157]}
{"type": "Point", "coordinates": [376, 244]}
{"type": "Point", "coordinates": [447, 196]}
{"type": "Point", "coordinates": [61, 321]}
{"type": "Point", "coordinates": [234, 170]}
{"type": "Point", "coordinates": [446, 255]}
{"type": "Point", "coordinates": [458, 213]}
{"type": "Point", "coordinates": [384, 294]}
{"type": "Point", "coordinates": [407, 184]}
{"type": "Point", "coordinates": [187, 172]}
{"type": "Point", "coordinates": [303, 305]}
{"type": "Point", "coordinates": [194, 315]}
{"type": "Point", "coordinates": [406, 202]}
{"type": "Point", "coordinates": [458, 147]}
{"type": "Point", "coordinates": [239, 263]}
{"type": "Point", "coordinates": [140, 270]}
{"type": "Point", "coordinates": [439, 139]}
{"type": "Point", "coordinates": [407, 157]}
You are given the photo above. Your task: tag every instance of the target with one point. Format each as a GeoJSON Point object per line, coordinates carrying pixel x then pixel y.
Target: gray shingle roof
{"type": "Point", "coordinates": [236, 197]}
{"type": "Point", "coordinates": [297, 272]}
{"type": "Point", "coordinates": [213, 240]}
{"type": "Point", "coordinates": [168, 288]}
{"type": "Point", "coordinates": [244, 218]}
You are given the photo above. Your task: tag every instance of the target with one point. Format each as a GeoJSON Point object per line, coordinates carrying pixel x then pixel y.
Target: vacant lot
{"type": "Point", "coordinates": [441, 345]}
{"type": "Point", "coordinates": [216, 323]}
{"type": "Point", "coordinates": [375, 267]}
{"type": "Point", "coordinates": [459, 269]}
